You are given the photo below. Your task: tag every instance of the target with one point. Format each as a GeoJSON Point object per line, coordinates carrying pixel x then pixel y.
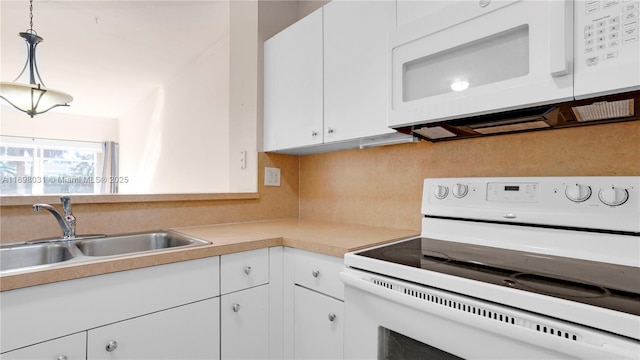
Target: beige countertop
{"type": "Point", "coordinates": [322, 237]}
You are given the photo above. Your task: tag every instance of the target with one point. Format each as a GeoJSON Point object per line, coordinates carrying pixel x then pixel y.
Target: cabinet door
{"type": "Point", "coordinates": [356, 68]}
{"type": "Point", "coordinates": [185, 332]}
{"type": "Point", "coordinates": [293, 85]}
{"type": "Point", "coordinates": [71, 347]}
{"type": "Point", "coordinates": [318, 325]}
{"type": "Point", "coordinates": [245, 324]}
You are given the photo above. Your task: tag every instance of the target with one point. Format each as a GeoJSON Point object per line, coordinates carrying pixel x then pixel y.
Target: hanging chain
{"type": "Point", "coordinates": [31, 16]}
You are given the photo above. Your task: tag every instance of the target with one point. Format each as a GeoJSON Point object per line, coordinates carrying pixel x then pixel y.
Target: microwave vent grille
{"type": "Point", "coordinates": [604, 110]}
{"type": "Point", "coordinates": [437, 132]}
{"type": "Point", "coordinates": [518, 126]}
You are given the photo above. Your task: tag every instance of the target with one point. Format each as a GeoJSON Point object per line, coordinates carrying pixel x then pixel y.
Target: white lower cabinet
{"type": "Point", "coordinates": [245, 324]}
{"type": "Point", "coordinates": [71, 347]}
{"type": "Point", "coordinates": [318, 325]}
{"type": "Point", "coordinates": [185, 332]}
{"type": "Point", "coordinates": [244, 305]}
{"type": "Point", "coordinates": [314, 307]}
{"type": "Point", "coordinates": [169, 311]}
{"type": "Point", "coordinates": [275, 303]}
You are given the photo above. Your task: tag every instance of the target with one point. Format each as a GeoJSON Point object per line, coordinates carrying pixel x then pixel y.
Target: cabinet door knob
{"type": "Point", "coordinates": [331, 130]}
{"type": "Point", "coordinates": [236, 307]}
{"type": "Point", "coordinates": [315, 273]}
{"type": "Point", "coordinates": [63, 357]}
{"type": "Point", "coordinates": [112, 345]}
{"type": "Point", "coordinates": [314, 133]}
{"type": "Point", "coordinates": [247, 270]}
{"type": "Point", "coordinates": [332, 317]}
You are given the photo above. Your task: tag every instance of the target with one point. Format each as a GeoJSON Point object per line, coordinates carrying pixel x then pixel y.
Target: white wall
{"type": "Point", "coordinates": [177, 139]}
{"type": "Point", "coordinates": [243, 95]}
{"type": "Point", "coordinates": [57, 125]}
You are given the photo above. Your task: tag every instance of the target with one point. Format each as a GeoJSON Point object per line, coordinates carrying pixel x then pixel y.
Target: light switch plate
{"type": "Point", "coordinates": [271, 176]}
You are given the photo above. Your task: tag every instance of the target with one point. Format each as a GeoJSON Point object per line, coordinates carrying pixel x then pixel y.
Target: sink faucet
{"type": "Point", "coordinates": [67, 221]}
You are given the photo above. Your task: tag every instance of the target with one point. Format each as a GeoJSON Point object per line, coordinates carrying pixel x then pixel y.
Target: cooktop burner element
{"type": "Point", "coordinates": [611, 286]}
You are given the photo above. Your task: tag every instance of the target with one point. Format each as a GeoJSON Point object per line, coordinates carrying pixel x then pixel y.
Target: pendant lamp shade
{"type": "Point", "coordinates": [33, 97]}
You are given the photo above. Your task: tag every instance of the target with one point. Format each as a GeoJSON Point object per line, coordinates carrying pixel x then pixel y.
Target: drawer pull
{"type": "Point", "coordinates": [236, 307]}
{"type": "Point", "coordinates": [315, 273]}
{"type": "Point", "coordinates": [112, 345]}
{"type": "Point", "coordinates": [63, 357]}
{"type": "Point", "coordinates": [332, 317]}
{"type": "Point", "coordinates": [247, 270]}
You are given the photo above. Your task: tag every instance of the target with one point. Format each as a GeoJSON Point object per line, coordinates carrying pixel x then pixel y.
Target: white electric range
{"type": "Point", "coordinates": [511, 268]}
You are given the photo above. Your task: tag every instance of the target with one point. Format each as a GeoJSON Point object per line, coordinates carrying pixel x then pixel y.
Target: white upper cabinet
{"type": "Point", "coordinates": [327, 80]}
{"type": "Point", "coordinates": [356, 68]}
{"type": "Point", "coordinates": [293, 85]}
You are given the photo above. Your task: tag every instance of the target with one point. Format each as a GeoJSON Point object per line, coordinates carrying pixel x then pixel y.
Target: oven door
{"type": "Point", "coordinates": [390, 319]}
{"type": "Point", "coordinates": [466, 59]}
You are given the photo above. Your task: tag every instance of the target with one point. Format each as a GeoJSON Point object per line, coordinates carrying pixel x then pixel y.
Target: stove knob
{"type": "Point", "coordinates": [440, 191]}
{"type": "Point", "coordinates": [613, 196]}
{"type": "Point", "coordinates": [578, 192]}
{"type": "Point", "coordinates": [460, 190]}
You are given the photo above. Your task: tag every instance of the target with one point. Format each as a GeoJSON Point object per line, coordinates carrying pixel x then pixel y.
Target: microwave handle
{"type": "Point", "coordinates": [560, 26]}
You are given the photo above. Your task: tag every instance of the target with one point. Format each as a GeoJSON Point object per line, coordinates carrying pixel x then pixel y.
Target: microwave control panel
{"type": "Point", "coordinates": [607, 51]}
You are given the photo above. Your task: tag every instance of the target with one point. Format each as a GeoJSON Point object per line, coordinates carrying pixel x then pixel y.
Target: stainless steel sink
{"type": "Point", "coordinates": [133, 243]}
{"type": "Point", "coordinates": [21, 256]}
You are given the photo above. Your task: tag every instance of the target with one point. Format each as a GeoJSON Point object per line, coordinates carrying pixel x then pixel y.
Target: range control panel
{"type": "Point", "coordinates": [597, 202]}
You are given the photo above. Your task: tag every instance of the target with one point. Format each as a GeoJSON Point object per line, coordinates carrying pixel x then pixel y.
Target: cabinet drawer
{"type": "Point", "coordinates": [244, 270]}
{"type": "Point", "coordinates": [319, 272]}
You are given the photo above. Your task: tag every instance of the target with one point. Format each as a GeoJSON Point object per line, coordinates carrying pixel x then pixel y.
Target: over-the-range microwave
{"type": "Point", "coordinates": [479, 67]}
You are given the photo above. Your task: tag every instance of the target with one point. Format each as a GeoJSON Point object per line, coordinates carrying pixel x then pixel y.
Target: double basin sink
{"type": "Point", "coordinates": [48, 253]}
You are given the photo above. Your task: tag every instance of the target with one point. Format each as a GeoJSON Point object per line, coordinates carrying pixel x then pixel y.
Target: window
{"type": "Point", "coordinates": [46, 166]}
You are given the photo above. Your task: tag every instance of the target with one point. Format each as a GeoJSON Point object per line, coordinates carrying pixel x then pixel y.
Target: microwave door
{"type": "Point", "coordinates": [481, 60]}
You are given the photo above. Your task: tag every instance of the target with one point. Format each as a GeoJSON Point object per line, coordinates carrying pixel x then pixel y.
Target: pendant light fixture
{"type": "Point", "coordinates": [33, 98]}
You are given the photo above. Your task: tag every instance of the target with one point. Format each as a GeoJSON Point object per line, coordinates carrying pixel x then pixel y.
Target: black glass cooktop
{"type": "Point", "coordinates": [615, 287]}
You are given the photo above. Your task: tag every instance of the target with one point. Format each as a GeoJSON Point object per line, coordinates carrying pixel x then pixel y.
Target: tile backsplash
{"type": "Point", "coordinates": [383, 186]}
{"type": "Point", "coordinates": [378, 187]}
{"type": "Point", "coordinates": [19, 223]}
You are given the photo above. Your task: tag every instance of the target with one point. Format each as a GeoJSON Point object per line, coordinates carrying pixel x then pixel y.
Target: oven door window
{"type": "Point", "coordinates": [395, 346]}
